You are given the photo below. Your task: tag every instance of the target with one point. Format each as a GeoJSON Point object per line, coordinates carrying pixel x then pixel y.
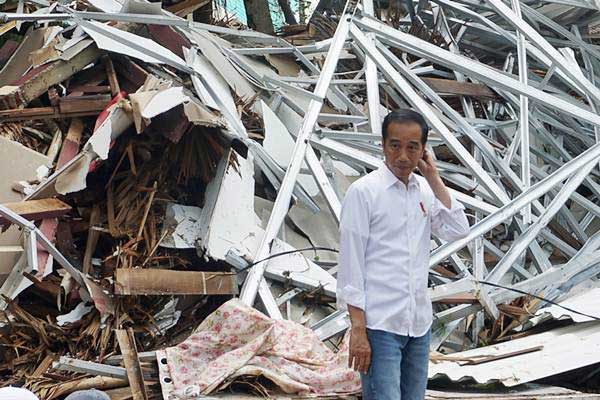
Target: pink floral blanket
{"type": "Point", "coordinates": [238, 340]}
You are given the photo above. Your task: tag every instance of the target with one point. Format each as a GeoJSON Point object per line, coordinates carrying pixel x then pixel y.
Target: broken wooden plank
{"type": "Point", "coordinates": [564, 234]}
{"type": "Point", "coordinates": [132, 363]}
{"type": "Point", "coordinates": [148, 281]}
{"type": "Point", "coordinates": [460, 88]}
{"type": "Point", "coordinates": [93, 368]}
{"type": "Point", "coordinates": [55, 145]}
{"type": "Point", "coordinates": [34, 210]}
{"type": "Point", "coordinates": [44, 286]}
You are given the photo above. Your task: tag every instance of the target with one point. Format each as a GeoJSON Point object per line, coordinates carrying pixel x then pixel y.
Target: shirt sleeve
{"type": "Point", "coordinates": [449, 224]}
{"type": "Point", "coordinates": [354, 234]}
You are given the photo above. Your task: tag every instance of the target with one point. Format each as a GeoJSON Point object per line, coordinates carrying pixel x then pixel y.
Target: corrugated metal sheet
{"type": "Point", "coordinates": [564, 349]}
{"type": "Point", "coordinates": [585, 302]}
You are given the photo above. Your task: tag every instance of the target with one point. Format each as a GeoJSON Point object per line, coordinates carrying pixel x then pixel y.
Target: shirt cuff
{"type": "Point", "coordinates": [352, 296]}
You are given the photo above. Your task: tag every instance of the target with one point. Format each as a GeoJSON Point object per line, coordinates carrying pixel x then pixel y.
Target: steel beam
{"type": "Point", "coordinates": [549, 51]}
{"type": "Point", "coordinates": [373, 100]}
{"type": "Point", "coordinates": [469, 67]}
{"type": "Point", "coordinates": [412, 96]}
{"type": "Point", "coordinates": [508, 211]}
{"type": "Point", "coordinates": [255, 275]}
{"type": "Point", "coordinates": [530, 234]}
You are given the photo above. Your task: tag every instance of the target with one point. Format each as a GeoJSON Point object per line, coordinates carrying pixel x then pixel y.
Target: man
{"type": "Point", "coordinates": [387, 220]}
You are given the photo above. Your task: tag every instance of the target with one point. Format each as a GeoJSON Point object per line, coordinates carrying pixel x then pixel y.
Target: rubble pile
{"type": "Point", "coordinates": [159, 174]}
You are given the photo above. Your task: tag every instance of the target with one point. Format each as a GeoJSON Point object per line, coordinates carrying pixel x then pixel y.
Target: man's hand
{"type": "Point", "coordinates": [427, 166]}
{"type": "Point", "coordinates": [360, 350]}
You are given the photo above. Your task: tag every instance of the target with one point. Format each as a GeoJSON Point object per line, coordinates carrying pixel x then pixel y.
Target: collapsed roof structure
{"type": "Point", "coordinates": [214, 157]}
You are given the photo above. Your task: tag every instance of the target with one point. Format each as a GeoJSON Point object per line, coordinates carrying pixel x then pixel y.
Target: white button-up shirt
{"type": "Point", "coordinates": [385, 236]}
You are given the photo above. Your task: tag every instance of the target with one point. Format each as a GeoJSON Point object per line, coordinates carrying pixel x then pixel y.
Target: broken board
{"type": "Point", "coordinates": [129, 281]}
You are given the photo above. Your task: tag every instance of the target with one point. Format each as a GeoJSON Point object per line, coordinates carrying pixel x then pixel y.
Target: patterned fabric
{"type": "Point", "coordinates": [238, 340]}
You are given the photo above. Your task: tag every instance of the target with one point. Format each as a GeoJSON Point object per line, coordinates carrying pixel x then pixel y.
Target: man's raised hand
{"type": "Point", "coordinates": [427, 166]}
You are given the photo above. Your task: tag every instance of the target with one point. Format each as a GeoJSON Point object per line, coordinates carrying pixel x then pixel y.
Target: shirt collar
{"type": "Point", "coordinates": [390, 179]}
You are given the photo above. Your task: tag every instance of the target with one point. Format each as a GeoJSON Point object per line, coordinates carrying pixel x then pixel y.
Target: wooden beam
{"type": "Point", "coordinates": [34, 210]}
{"type": "Point", "coordinates": [132, 363]}
{"type": "Point", "coordinates": [67, 107]}
{"type": "Point", "coordinates": [149, 281]}
{"type": "Point", "coordinates": [83, 103]}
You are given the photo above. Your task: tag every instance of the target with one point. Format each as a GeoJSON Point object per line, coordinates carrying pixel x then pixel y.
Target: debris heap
{"type": "Point", "coordinates": [155, 167]}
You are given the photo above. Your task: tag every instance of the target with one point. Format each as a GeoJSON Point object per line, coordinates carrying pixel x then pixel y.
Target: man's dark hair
{"type": "Point", "coordinates": [404, 116]}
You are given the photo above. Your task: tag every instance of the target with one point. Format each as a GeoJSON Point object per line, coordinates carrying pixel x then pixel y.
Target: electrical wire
{"type": "Point", "coordinates": [285, 253]}
{"type": "Point", "coordinates": [541, 298]}
{"type": "Point", "coordinates": [315, 248]}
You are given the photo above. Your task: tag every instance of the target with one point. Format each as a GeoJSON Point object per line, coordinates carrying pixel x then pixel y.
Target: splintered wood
{"type": "Point", "coordinates": [111, 230]}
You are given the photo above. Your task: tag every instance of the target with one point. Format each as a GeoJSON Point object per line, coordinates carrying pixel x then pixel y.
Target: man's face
{"type": "Point", "coordinates": [403, 149]}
